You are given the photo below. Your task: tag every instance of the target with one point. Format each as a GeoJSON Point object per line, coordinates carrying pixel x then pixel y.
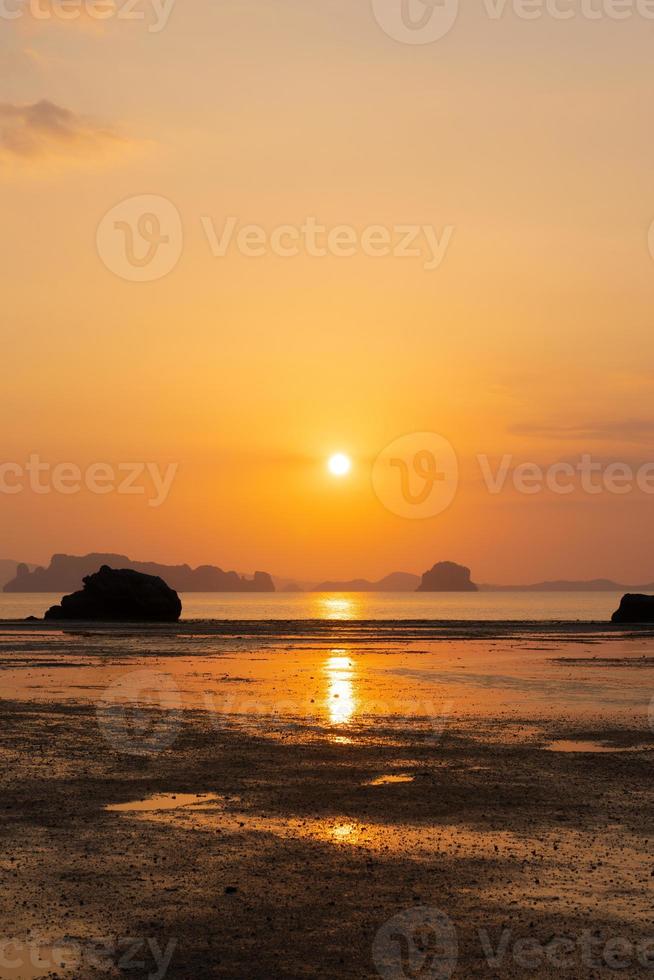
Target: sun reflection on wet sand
{"type": "Point", "coordinates": [348, 832]}
{"type": "Point", "coordinates": [341, 699]}
{"type": "Point", "coordinates": [550, 855]}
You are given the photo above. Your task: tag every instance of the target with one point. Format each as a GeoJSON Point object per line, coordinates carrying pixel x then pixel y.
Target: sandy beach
{"type": "Point", "coordinates": [321, 800]}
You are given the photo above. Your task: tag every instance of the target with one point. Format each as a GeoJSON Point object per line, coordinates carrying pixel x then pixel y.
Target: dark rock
{"type": "Point", "coordinates": [120, 595]}
{"type": "Point", "coordinates": [447, 576]}
{"type": "Point", "coordinates": [634, 608]}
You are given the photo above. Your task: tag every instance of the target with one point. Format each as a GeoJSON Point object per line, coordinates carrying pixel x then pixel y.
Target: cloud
{"type": "Point", "coordinates": [630, 429]}
{"type": "Point", "coordinates": [43, 129]}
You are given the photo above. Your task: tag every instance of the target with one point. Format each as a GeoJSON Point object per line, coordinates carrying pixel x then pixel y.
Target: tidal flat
{"type": "Point", "coordinates": [326, 800]}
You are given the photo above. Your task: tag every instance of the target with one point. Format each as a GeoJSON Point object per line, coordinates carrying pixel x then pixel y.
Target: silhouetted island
{"type": "Point", "coordinates": [394, 582]}
{"type": "Point", "coordinates": [9, 569]}
{"type": "Point", "coordinates": [67, 572]}
{"type": "Point", "coordinates": [120, 595]}
{"type": "Point", "coordinates": [447, 576]}
{"type": "Point", "coordinates": [562, 585]}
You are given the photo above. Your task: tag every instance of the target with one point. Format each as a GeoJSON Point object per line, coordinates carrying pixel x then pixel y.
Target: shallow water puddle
{"type": "Point", "coordinates": [164, 801]}
{"type": "Point", "coordinates": [580, 745]}
{"type": "Point", "coordinates": [386, 780]}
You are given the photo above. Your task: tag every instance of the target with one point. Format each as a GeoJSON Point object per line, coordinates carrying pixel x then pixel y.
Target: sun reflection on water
{"type": "Point", "coordinates": [341, 606]}
{"type": "Point", "coordinates": [341, 699]}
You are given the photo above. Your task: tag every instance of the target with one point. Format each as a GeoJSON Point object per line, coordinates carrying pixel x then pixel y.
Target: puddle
{"type": "Point", "coordinates": [574, 745]}
{"type": "Point", "coordinates": [386, 780]}
{"type": "Point", "coordinates": [164, 801]}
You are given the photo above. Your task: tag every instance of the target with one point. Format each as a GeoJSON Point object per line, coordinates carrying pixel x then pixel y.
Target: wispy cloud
{"type": "Point", "coordinates": [630, 429]}
{"type": "Point", "coordinates": [43, 129]}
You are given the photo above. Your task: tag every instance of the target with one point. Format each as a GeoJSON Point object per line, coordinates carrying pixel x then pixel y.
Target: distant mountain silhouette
{"type": "Point", "coordinates": [395, 582]}
{"type": "Point", "coordinates": [8, 570]}
{"type": "Point", "coordinates": [447, 576]}
{"type": "Point", "coordinates": [564, 585]}
{"type": "Point", "coordinates": [66, 572]}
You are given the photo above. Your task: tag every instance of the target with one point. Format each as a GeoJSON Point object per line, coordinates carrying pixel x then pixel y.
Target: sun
{"type": "Point", "coordinates": [339, 464]}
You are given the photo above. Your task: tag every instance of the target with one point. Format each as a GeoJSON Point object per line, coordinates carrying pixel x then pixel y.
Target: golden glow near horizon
{"type": "Point", "coordinates": [339, 464]}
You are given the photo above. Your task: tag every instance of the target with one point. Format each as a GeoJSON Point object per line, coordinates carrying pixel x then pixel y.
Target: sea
{"type": "Point", "coordinates": [470, 606]}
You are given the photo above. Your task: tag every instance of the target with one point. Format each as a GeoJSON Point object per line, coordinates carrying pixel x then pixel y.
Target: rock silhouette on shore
{"type": "Point", "coordinates": [634, 608]}
{"type": "Point", "coordinates": [447, 576]}
{"type": "Point", "coordinates": [120, 595]}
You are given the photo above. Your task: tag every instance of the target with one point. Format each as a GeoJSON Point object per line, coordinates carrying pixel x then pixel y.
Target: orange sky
{"type": "Point", "coordinates": [531, 139]}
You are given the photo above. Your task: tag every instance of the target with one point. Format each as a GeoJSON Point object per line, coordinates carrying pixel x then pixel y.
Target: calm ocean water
{"type": "Point", "coordinates": [366, 605]}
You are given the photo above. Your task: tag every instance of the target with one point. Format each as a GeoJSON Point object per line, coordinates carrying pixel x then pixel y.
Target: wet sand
{"type": "Point", "coordinates": [295, 800]}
